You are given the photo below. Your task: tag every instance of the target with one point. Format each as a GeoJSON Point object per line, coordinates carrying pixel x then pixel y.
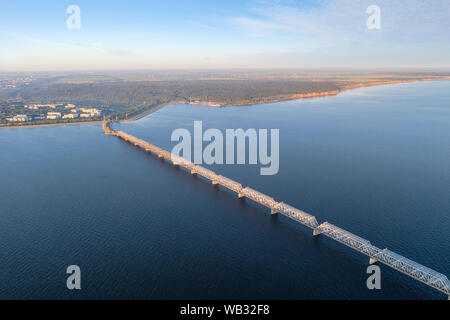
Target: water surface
{"type": "Point", "coordinates": [374, 161]}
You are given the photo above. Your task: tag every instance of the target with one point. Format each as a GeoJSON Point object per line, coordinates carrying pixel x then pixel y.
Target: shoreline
{"type": "Point", "coordinates": [147, 112]}
{"type": "Point", "coordinates": [387, 82]}
{"type": "Point", "coordinates": [272, 99]}
{"type": "Point", "coordinates": [50, 124]}
{"type": "Point", "coordinates": [308, 95]}
{"type": "Point", "coordinates": [137, 117]}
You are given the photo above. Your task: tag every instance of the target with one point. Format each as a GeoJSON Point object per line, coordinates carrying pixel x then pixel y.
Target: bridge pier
{"type": "Point", "coordinates": [214, 183]}
{"type": "Point", "coordinates": [160, 156]}
{"type": "Point", "coordinates": [316, 232]}
{"type": "Point", "coordinates": [193, 172]}
{"type": "Point", "coordinates": [373, 260]}
{"type": "Point", "coordinates": [240, 195]}
{"type": "Point", "coordinates": [273, 211]}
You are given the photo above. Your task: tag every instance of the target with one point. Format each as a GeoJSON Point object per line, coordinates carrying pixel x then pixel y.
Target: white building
{"type": "Point", "coordinates": [19, 118]}
{"type": "Point", "coordinates": [92, 111]}
{"type": "Point", "coordinates": [70, 116]}
{"type": "Point", "coordinates": [37, 106]}
{"type": "Point", "coordinates": [53, 115]}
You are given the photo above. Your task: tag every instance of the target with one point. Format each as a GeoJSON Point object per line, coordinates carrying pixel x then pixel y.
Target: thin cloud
{"type": "Point", "coordinates": [68, 46]}
{"type": "Point", "coordinates": [345, 20]}
{"type": "Point", "coordinates": [260, 27]}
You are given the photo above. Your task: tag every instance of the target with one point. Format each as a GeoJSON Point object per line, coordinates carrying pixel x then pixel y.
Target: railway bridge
{"type": "Point", "coordinates": [393, 260]}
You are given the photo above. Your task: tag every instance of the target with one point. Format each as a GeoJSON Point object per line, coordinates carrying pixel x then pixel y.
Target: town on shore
{"type": "Point", "coordinates": [51, 113]}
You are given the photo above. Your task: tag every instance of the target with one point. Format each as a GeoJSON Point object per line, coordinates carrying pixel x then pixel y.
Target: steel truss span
{"type": "Point", "coordinates": [397, 262]}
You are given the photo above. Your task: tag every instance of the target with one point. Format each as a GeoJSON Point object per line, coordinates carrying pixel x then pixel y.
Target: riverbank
{"type": "Point", "coordinates": [270, 99]}
{"type": "Point", "coordinates": [380, 83]}
{"type": "Point", "coordinates": [149, 111]}
{"type": "Point", "coordinates": [49, 125]}
{"type": "Point", "coordinates": [310, 95]}
{"type": "Point", "coordinates": [264, 100]}
{"type": "Point", "coordinates": [137, 117]}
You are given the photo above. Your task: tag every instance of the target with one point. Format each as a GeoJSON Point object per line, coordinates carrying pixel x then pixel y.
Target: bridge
{"type": "Point", "coordinates": [391, 259]}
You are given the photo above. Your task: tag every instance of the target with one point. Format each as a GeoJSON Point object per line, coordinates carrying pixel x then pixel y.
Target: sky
{"type": "Point", "coordinates": [200, 34]}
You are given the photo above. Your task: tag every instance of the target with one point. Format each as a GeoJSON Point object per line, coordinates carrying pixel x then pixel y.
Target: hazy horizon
{"type": "Point", "coordinates": [330, 70]}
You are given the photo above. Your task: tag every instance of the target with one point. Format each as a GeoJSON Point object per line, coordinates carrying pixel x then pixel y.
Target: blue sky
{"type": "Point", "coordinates": [175, 34]}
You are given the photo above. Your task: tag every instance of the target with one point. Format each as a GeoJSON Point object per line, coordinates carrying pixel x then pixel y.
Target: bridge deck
{"type": "Point", "coordinates": [397, 262]}
{"type": "Point", "coordinates": [297, 215]}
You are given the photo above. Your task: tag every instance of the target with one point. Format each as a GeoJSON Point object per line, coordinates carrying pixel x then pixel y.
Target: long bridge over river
{"type": "Point", "coordinates": [397, 262]}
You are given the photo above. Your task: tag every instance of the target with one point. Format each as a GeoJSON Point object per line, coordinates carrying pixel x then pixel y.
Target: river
{"type": "Point", "coordinates": [374, 161]}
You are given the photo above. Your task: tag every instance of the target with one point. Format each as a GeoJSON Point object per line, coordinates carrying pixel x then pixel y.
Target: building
{"type": "Point", "coordinates": [39, 117]}
{"type": "Point", "coordinates": [19, 118]}
{"type": "Point", "coordinates": [85, 115]}
{"type": "Point", "coordinates": [53, 115]}
{"type": "Point", "coordinates": [70, 106]}
{"type": "Point", "coordinates": [37, 106]}
{"type": "Point", "coordinates": [92, 111]}
{"type": "Point", "coordinates": [70, 116]}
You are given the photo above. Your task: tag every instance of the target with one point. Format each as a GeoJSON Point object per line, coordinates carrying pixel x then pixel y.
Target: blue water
{"type": "Point", "coordinates": [374, 161]}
